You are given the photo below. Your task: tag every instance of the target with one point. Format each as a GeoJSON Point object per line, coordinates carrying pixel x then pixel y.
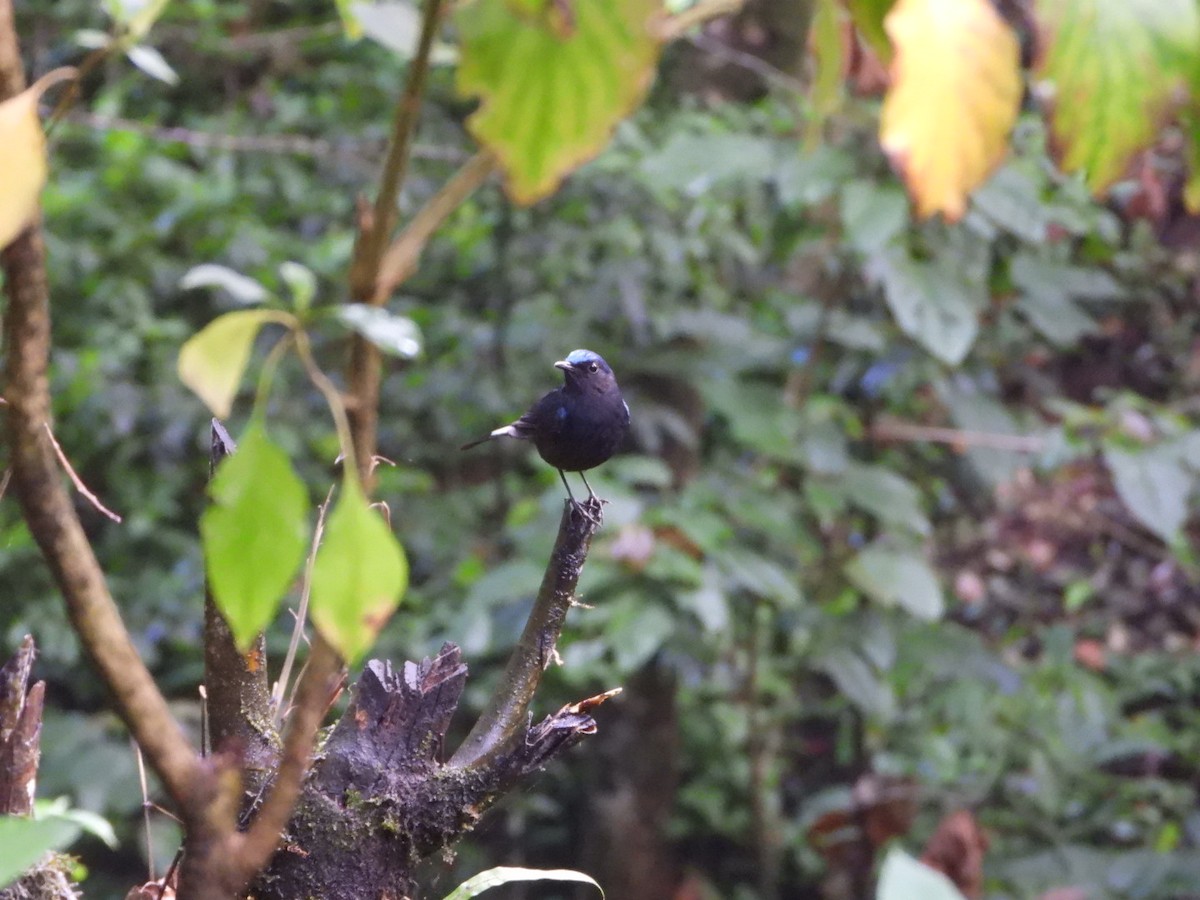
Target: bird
{"type": "Point", "coordinates": [577, 426]}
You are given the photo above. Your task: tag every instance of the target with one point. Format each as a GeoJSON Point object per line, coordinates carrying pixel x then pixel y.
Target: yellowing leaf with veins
{"type": "Point", "coordinates": [955, 93]}
{"type": "Point", "coordinates": [553, 77]}
{"type": "Point", "coordinates": [24, 171]}
{"type": "Point", "coordinates": [1117, 68]}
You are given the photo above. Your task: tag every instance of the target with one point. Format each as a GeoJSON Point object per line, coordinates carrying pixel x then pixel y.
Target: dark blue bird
{"type": "Point", "coordinates": [579, 425]}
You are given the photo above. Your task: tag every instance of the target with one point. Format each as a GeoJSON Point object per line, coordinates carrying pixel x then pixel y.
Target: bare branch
{"type": "Point", "coordinates": [506, 716]}
{"type": "Point", "coordinates": [46, 506]}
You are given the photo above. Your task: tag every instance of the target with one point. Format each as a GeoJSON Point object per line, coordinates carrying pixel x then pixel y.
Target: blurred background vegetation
{"type": "Point", "coordinates": [904, 527]}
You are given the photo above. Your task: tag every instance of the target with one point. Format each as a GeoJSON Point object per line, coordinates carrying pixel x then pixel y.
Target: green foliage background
{"type": "Point", "coordinates": [826, 603]}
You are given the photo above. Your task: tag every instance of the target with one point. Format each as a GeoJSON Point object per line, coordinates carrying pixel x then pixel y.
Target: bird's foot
{"type": "Point", "coordinates": [591, 509]}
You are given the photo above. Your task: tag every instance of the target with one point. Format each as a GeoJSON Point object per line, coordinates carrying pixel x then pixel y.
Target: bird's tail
{"type": "Point", "coordinates": [482, 440]}
{"type": "Point", "coordinates": [514, 430]}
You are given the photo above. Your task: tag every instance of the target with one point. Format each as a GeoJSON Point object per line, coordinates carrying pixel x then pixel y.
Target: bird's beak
{"type": "Point", "coordinates": [564, 365]}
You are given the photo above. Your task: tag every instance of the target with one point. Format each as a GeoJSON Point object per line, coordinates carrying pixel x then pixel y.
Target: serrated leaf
{"type": "Point", "coordinates": [484, 881]}
{"type": "Point", "coordinates": [1116, 67]}
{"type": "Point", "coordinates": [859, 683]}
{"type": "Point", "coordinates": [241, 288]}
{"type": "Point", "coordinates": [890, 497]}
{"type": "Point", "coordinates": [153, 63]}
{"type": "Point", "coordinates": [24, 171]}
{"type": "Point", "coordinates": [893, 578]}
{"type": "Point", "coordinates": [358, 577]}
{"type": "Point", "coordinates": [211, 363]}
{"type": "Point", "coordinates": [393, 334]}
{"type": "Point", "coordinates": [904, 878]}
{"type": "Point", "coordinates": [955, 94]}
{"type": "Point", "coordinates": [1154, 485]}
{"type": "Point", "coordinates": [553, 79]}
{"type": "Point", "coordinates": [872, 215]}
{"type": "Point", "coordinates": [255, 533]}
{"type": "Point", "coordinates": [933, 304]}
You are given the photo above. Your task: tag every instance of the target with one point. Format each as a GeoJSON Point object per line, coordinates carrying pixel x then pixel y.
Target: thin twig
{"type": "Point", "coordinates": [395, 167]}
{"type": "Point", "coordinates": [333, 397]}
{"type": "Point", "coordinates": [4, 479]}
{"type": "Point", "coordinates": [401, 258]}
{"type": "Point", "coordinates": [76, 480]}
{"type": "Point", "coordinates": [674, 26]}
{"type": "Point", "coordinates": [364, 370]}
{"type": "Point", "coordinates": [146, 804]}
{"type": "Point", "coordinates": [775, 77]}
{"type": "Point", "coordinates": [301, 614]}
{"type": "Point", "coordinates": [282, 144]}
{"type": "Point", "coordinates": [896, 430]}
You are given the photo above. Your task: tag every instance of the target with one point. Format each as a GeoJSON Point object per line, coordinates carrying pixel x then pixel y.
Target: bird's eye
{"type": "Point", "coordinates": [593, 368]}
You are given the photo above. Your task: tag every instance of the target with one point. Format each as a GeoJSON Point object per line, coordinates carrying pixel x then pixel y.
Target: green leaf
{"type": "Point", "coordinates": [904, 878]}
{"type": "Point", "coordinates": [553, 79]}
{"type": "Point", "coordinates": [484, 881]}
{"type": "Point", "coordinates": [255, 533]}
{"type": "Point", "coordinates": [1116, 68]}
{"type": "Point", "coordinates": [868, 16]}
{"type": "Point", "coordinates": [358, 577]}
{"type": "Point", "coordinates": [872, 215]}
{"type": "Point", "coordinates": [883, 493]}
{"type": "Point", "coordinates": [301, 282]}
{"type": "Point", "coordinates": [393, 334]}
{"type": "Point", "coordinates": [1154, 484]}
{"type": "Point", "coordinates": [859, 683]}
{"type": "Point", "coordinates": [212, 362]}
{"type": "Point", "coordinates": [25, 841]}
{"type": "Point", "coordinates": [828, 50]}
{"type": "Point", "coordinates": [933, 303]}
{"type": "Point", "coordinates": [891, 578]}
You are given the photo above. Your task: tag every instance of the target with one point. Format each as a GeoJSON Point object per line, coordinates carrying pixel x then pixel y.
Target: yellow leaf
{"type": "Point", "coordinates": [956, 90]}
{"type": "Point", "coordinates": [212, 361]}
{"type": "Point", "coordinates": [24, 171]}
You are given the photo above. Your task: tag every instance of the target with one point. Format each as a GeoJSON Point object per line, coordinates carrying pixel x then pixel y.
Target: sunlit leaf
{"type": "Point", "coordinates": [137, 16]}
{"type": "Point", "coordinates": [396, 24]}
{"type": "Point", "coordinates": [955, 93]}
{"type": "Point", "coordinates": [255, 533]}
{"type": "Point", "coordinates": [150, 61]}
{"type": "Point", "coordinates": [24, 171]}
{"type": "Point", "coordinates": [484, 881]}
{"type": "Point", "coordinates": [553, 81]}
{"type": "Point", "coordinates": [904, 878]}
{"type": "Point", "coordinates": [241, 288]}
{"type": "Point", "coordinates": [1155, 485]}
{"type": "Point", "coordinates": [393, 334]}
{"type": "Point", "coordinates": [1114, 68]}
{"type": "Point", "coordinates": [895, 578]}
{"type": "Point", "coordinates": [359, 575]}
{"type": "Point", "coordinates": [211, 362]}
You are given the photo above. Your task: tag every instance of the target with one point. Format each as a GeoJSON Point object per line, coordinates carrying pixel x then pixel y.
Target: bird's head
{"type": "Point", "coordinates": [584, 369]}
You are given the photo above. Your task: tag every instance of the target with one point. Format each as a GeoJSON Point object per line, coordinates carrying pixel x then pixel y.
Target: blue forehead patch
{"type": "Point", "coordinates": [575, 357]}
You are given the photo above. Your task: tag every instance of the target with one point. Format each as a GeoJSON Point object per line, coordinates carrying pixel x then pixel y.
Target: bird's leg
{"type": "Point", "coordinates": [594, 501]}
{"type": "Point", "coordinates": [585, 511]}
